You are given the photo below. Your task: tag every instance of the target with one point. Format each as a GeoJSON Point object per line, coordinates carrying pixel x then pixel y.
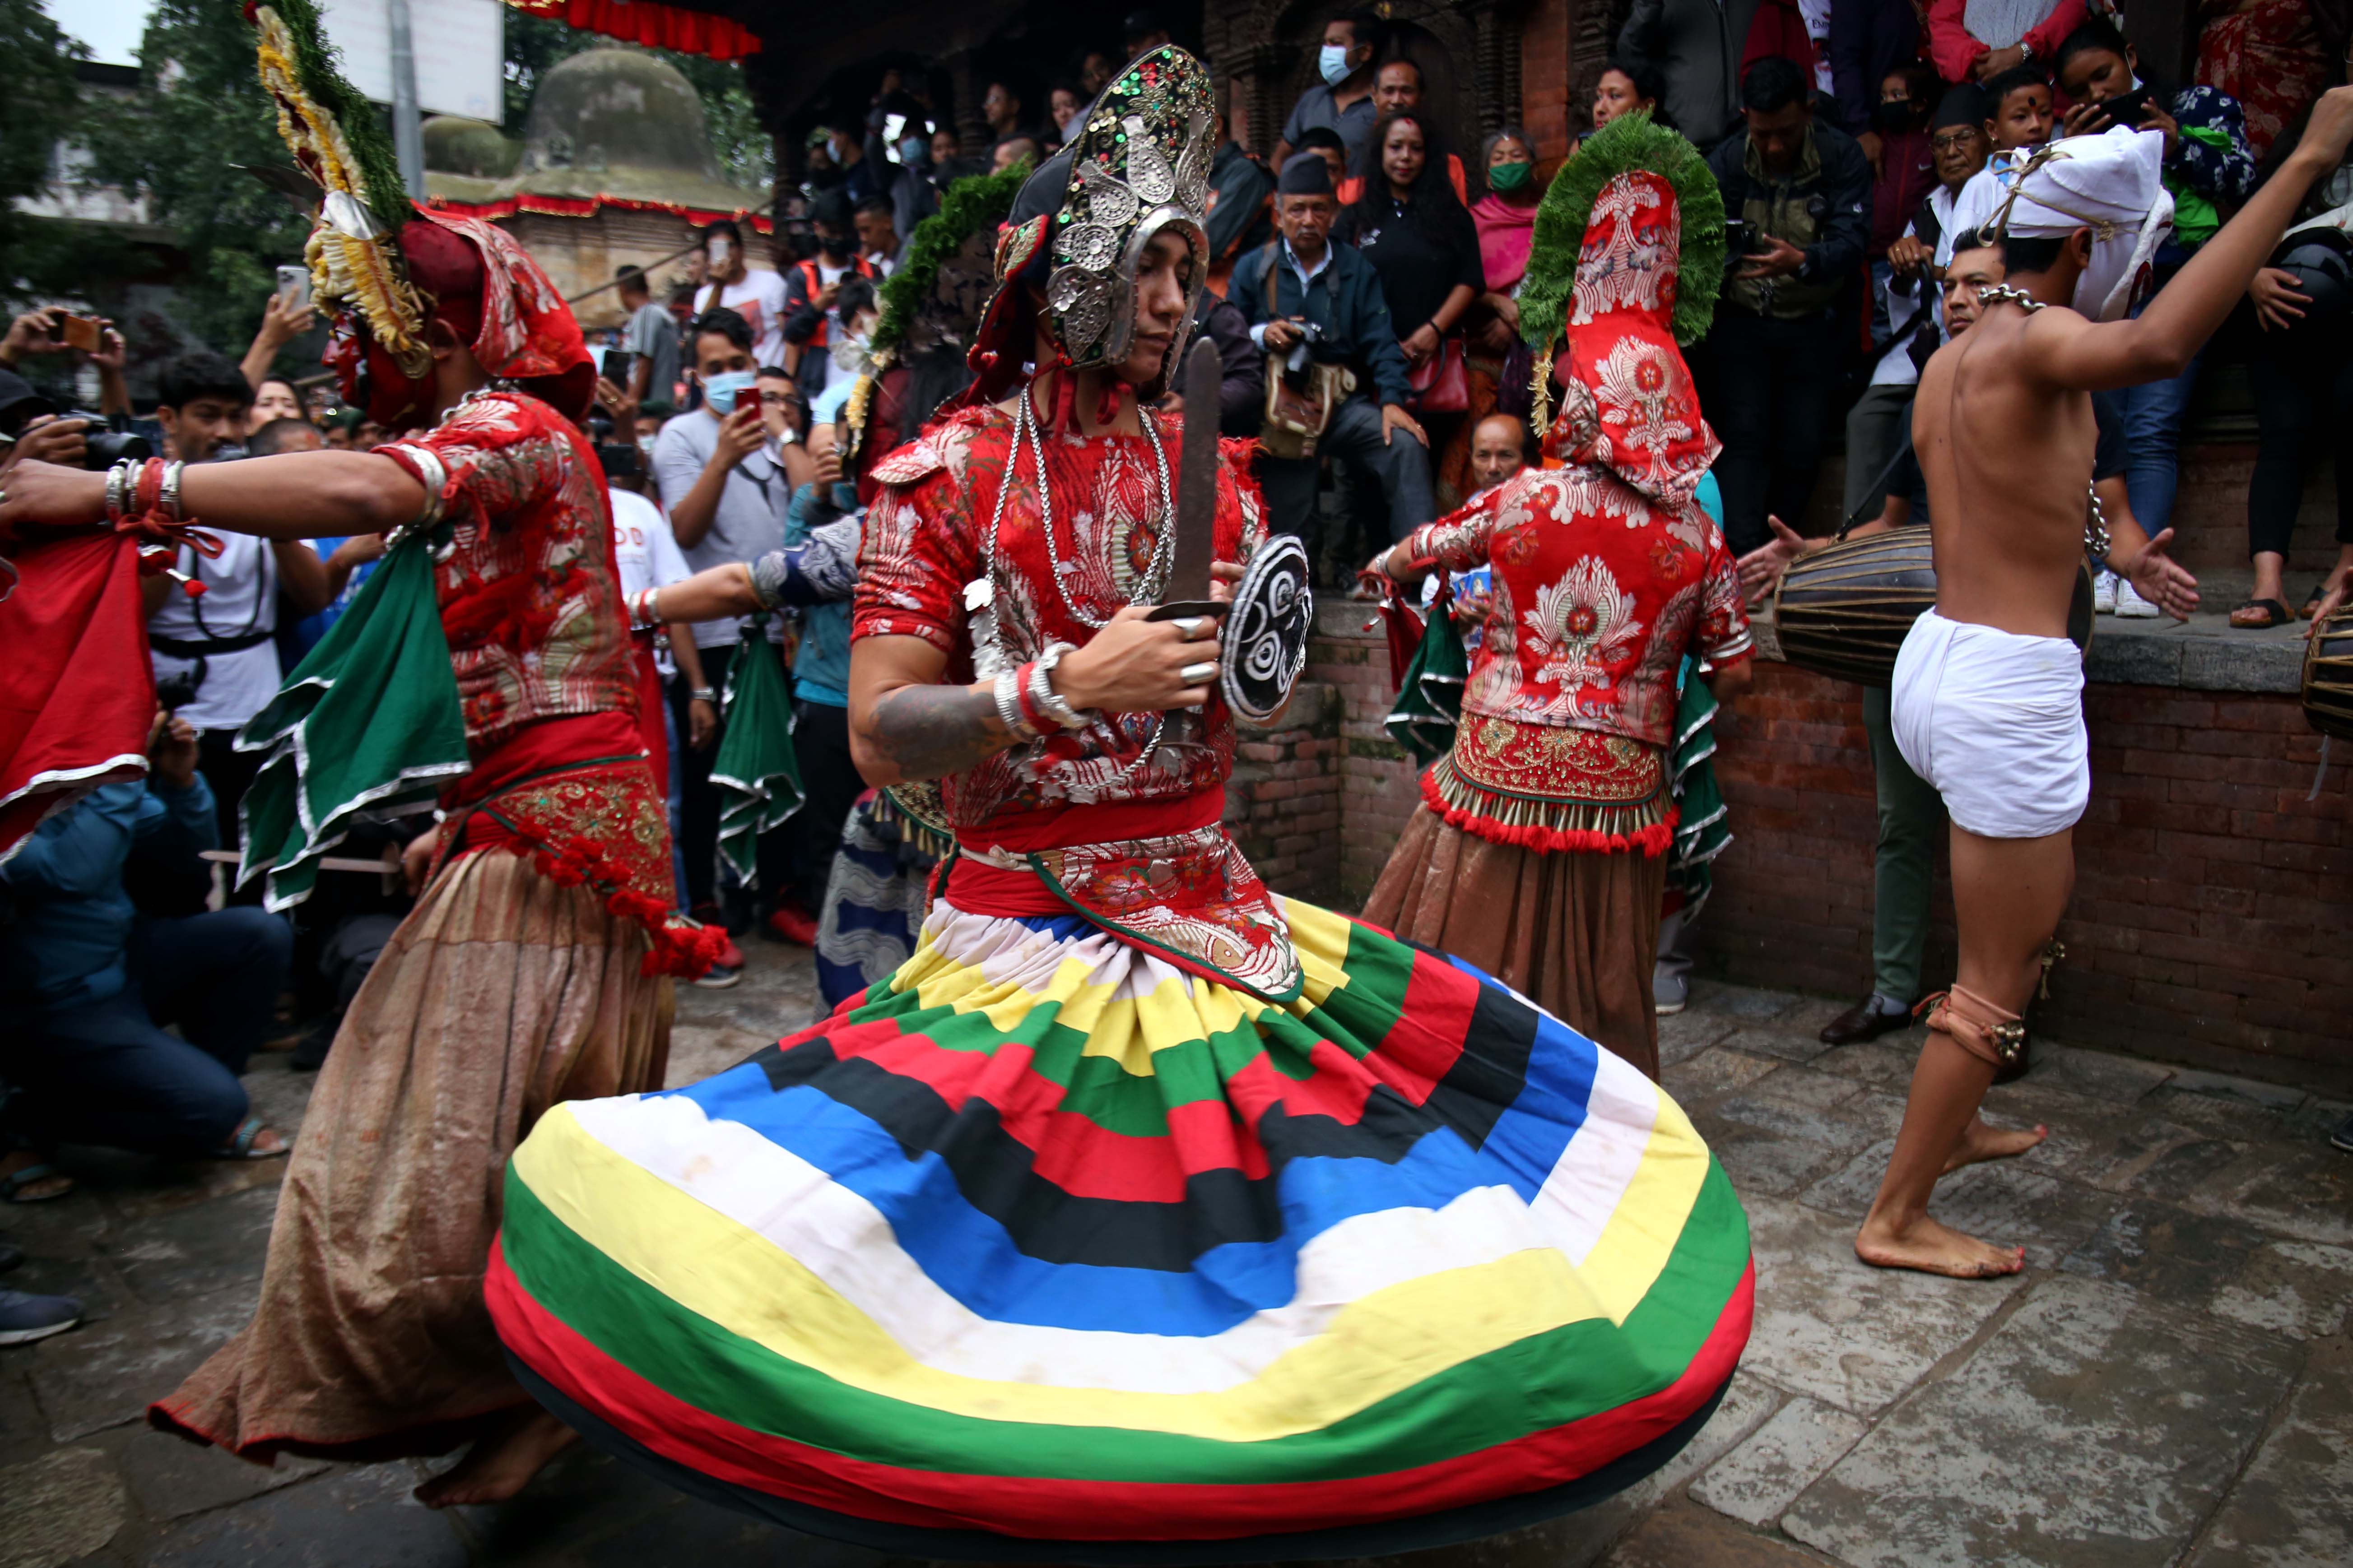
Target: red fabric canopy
{"type": "Point", "coordinates": [642, 22]}
{"type": "Point", "coordinates": [586, 207]}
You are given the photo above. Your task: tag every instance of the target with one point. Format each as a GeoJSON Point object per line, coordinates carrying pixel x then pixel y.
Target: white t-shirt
{"type": "Point", "coordinates": [1816, 15]}
{"type": "Point", "coordinates": [759, 299]}
{"type": "Point", "coordinates": [646, 553]}
{"type": "Point", "coordinates": [240, 598]}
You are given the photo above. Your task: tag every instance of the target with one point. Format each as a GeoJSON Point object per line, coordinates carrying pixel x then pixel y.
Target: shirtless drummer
{"type": "Point", "coordinates": [1988, 690]}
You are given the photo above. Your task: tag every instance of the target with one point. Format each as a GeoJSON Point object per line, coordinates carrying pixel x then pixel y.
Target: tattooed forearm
{"type": "Point", "coordinates": [928, 731]}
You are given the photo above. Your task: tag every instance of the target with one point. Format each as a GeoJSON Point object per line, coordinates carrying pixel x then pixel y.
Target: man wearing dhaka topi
{"type": "Point", "coordinates": [1988, 690]}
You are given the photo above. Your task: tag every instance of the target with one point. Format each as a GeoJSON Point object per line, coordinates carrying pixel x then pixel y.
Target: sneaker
{"type": "Point", "coordinates": [792, 924]}
{"type": "Point", "coordinates": [25, 1318]}
{"type": "Point", "coordinates": [725, 972]}
{"type": "Point", "coordinates": [2131, 605]}
{"type": "Point", "coordinates": [1670, 991]}
{"type": "Point", "coordinates": [2103, 592]}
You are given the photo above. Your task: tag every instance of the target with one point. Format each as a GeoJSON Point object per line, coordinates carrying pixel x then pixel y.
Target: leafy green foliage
{"type": "Point", "coordinates": [36, 62]}
{"type": "Point", "coordinates": [318, 65]}
{"type": "Point", "coordinates": [200, 111]}
{"type": "Point", "coordinates": [1627, 142]}
{"type": "Point", "coordinates": [964, 206]}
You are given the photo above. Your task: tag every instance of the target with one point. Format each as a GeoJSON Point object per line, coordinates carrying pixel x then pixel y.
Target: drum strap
{"type": "Point", "coordinates": [1878, 486]}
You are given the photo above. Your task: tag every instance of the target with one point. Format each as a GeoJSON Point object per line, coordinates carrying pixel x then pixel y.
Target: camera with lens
{"type": "Point", "coordinates": [103, 446]}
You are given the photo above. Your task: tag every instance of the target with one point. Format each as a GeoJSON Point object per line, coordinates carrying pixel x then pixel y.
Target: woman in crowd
{"type": "Point", "coordinates": [2274, 56]}
{"type": "Point", "coordinates": [1142, 1215]}
{"type": "Point", "coordinates": [1627, 85]}
{"type": "Point", "coordinates": [1505, 218]}
{"type": "Point", "coordinates": [1424, 247]}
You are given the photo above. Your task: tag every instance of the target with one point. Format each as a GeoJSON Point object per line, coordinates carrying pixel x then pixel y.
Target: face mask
{"type": "Point", "coordinates": [914, 150]}
{"type": "Point", "coordinates": [722, 390]}
{"type": "Point", "coordinates": [1332, 59]}
{"type": "Point", "coordinates": [1509, 176]}
{"type": "Point", "coordinates": [849, 351]}
{"type": "Point", "coordinates": [1891, 119]}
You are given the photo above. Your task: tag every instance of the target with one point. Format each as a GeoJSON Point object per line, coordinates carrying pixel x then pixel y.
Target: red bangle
{"type": "Point", "coordinates": [1030, 712]}
{"type": "Point", "coordinates": [150, 492]}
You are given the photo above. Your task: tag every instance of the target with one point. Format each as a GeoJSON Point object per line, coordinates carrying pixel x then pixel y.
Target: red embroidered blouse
{"type": "Point", "coordinates": [922, 543]}
{"type": "Point", "coordinates": [530, 595]}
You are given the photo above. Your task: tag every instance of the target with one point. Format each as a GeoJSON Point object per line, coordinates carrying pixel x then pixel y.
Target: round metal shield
{"type": "Point", "coordinates": [1265, 644]}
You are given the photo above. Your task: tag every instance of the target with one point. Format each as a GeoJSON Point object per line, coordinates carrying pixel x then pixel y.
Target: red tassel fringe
{"type": "Point", "coordinates": [681, 947]}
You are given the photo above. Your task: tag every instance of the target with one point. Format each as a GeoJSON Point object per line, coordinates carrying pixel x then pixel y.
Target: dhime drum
{"type": "Point", "coordinates": [2328, 676]}
{"type": "Point", "coordinates": [1845, 610]}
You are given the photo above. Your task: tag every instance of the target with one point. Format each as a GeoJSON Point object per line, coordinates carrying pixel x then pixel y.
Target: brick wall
{"type": "Point", "coordinates": [1378, 791]}
{"type": "Point", "coordinates": [2211, 900]}
{"type": "Point", "coordinates": [1545, 85]}
{"type": "Point", "coordinates": [1282, 804]}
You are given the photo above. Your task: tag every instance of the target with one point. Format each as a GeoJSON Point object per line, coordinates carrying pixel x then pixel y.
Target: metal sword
{"type": "Point", "coordinates": [1196, 523]}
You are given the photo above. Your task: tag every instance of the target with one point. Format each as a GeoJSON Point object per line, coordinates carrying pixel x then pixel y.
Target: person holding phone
{"type": "Point", "coordinates": [2209, 169]}
{"type": "Point", "coordinates": [730, 283]}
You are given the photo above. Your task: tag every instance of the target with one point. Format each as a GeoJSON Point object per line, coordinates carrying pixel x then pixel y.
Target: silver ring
{"type": "Point", "coordinates": [1189, 626]}
{"type": "Point", "coordinates": [1194, 674]}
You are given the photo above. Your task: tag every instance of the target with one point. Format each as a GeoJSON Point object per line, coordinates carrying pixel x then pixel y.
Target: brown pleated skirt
{"type": "Point", "coordinates": [1576, 933]}
{"type": "Point", "coordinates": [500, 994]}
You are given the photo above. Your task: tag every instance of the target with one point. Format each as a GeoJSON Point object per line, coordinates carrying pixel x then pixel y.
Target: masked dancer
{"type": "Point", "coordinates": [487, 658]}
{"type": "Point", "coordinates": [1987, 702]}
{"type": "Point", "coordinates": [1141, 1214]}
{"type": "Point", "coordinates": [1539, 851]}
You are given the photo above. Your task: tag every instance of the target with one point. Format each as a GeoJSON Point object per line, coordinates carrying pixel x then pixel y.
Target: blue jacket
{"type": "Point", "coordinates": [821, 668]}
{"type": "Point", "coordinates": [1345, 301]}
{"type": "Point", "coordinates": [69, 929]}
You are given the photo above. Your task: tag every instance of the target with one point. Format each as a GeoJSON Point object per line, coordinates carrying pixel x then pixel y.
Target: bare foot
{"type": "Point", "coordinates": [1979, 1141]}
{"type": "Point", "coordinates": [1933, 1249]}
{"type": "Point", "coordinates": [501, 1462]}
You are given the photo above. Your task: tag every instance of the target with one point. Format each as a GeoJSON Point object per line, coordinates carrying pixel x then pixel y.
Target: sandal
{"type": "Point", "coordinates": [2260, 615]}
{"type": "Point", "coordinates": [240, 1143]}
{"type": "Point", "coordinates": [14, 1183]}
{"type": "Point", "coordinates": [2312, 600]}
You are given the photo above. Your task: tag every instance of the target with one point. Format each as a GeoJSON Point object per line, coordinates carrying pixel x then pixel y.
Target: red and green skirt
{"type": "Point", "coordinates": [1045, 1250]}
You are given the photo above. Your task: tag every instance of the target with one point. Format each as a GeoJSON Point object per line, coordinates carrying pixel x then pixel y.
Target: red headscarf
{"type": "Point", "coordinates": [493, 297]}
{"type": "Point", "coordinates": [1628, 403]}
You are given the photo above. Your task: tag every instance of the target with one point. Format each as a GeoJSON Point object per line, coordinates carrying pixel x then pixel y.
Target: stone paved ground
{"type": "Point", "coordinates": [2169, 1382]}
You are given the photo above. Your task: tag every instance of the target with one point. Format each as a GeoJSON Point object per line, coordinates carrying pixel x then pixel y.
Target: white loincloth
{"type": "Point", "coordinates": [1994, 720]}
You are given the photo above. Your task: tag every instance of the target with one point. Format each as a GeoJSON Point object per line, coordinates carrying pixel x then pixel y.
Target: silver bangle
{"type": "Point", "coordinates": [702, 694]}
{"type": "Point", "coordinates": [1007, 693]}
{"type": "Point", "coordinates": [167, 494]}
{"type": "Point", "coordinates": [1041, 688]}
{"type": "Point", "coordinates": [118, 483]}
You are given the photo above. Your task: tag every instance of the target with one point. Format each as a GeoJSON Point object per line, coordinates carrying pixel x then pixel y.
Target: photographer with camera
{"type": "Point", "coordinates": [213, 638]}
{"type": "Point", "coordinates": [1797, 205]}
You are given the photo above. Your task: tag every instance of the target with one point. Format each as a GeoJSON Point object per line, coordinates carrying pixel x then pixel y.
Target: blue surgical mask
{"type": "Point", "coordinates": [914, 150]}
{"type": "Point", "coordinates": [1332, 59]}
{"type": "Point", "coordinates": [722, 390]}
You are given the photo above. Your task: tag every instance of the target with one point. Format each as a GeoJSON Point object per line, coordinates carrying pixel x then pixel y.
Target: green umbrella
{"type": "Point", "coordinates": [369, 722]}
{"type": "Point", "coordinates": [1430, 697]}
{"type": "Point", "coordinates": [758, 777]}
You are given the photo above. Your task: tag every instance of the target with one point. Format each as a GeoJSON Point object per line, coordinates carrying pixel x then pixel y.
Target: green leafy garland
{"type": "Point", "coordinates": [964, 206]}
{"type": "Point", "coordinates": [316, 64]}
{"type": "Point", "coordinates": [1627, 142]}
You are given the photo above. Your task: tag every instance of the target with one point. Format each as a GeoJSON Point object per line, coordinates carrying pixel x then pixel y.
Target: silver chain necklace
{"type": "Point", "coordinates": [990, 637]}
{"type": "Point", "coordinates": [2004, 294]}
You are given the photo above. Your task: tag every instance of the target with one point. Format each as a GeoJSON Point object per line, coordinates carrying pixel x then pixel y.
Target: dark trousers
{"type": "Point", "coordinates": [2303, 382]}
{"type": "Point", "coordinates": [1403, 465]}
{"type": "Point", "coordinates": [1771, 409]}
{"type": "Point", "coordinates": [108, 1074]}
{"type": "Point", "coordinates": [831, 785]}
{"type": "Point", "coordinates": [698, 804]}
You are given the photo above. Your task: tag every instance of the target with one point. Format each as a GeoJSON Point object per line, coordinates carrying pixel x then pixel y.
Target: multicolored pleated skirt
{"type": "Point", "coordinates": [1045, 1250]}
